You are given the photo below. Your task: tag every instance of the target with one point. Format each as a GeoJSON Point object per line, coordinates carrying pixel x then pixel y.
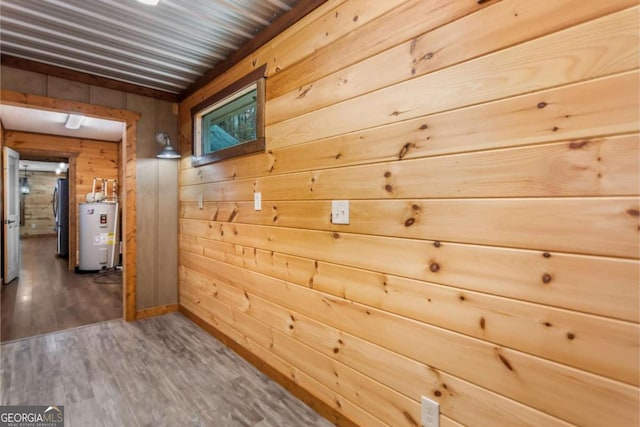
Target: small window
{"type": "Point", "coordinates": [231, 122]}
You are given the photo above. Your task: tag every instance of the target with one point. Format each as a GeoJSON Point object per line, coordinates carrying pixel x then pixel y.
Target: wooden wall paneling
{"type": "Point", "coordinates": [332, 20]}
{"type": "Point", "coordinates": [569, 394]}
{"type": "Point", "coordinates": [493, 238]}
{"type": "Point", "coordinates": [337, 23]}
{"type": "Point", "coordinates": [460, 400]}
{"type": "Point", "coordinates": [442, 47]}
{"type": "Point", "coordinates": [399, 416]}
{"type": "Point", "coordinates": [540, 222]}
{"type": "Point", "coordinates": [561, 280]}
{"type": "Point", "coordinates": [602, 167]}
{"type": "Point", "coordinates": [397, 27]}
{"type": "Point", "coordinates": [597, 48]}
{"type": "Point", "coordinates": [389, 406]}
{"type": "Point", "coordinates": [598, 107]}
{"type": "Point", "coordinates": [480, 315]}
{"type": "Point", "coordinates": [39, 217]}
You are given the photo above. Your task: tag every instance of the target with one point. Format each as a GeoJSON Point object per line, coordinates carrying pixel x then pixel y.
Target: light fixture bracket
{"type": "Point", "coordinates": [167, 152]}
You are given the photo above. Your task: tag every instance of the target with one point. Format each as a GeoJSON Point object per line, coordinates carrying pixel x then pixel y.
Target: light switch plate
{"type": "Point", "coordinates": [257, 201]}
{"type": "Point", "coordinates": [201, 202]}
{"type": "Point", "coordinates": [340, 212]}
{"type": "Point", "coordinates": [430, 413]}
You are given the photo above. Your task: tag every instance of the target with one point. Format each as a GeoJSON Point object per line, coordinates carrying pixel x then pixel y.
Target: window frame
{"type": "Point", "coordinates": [230, 93]}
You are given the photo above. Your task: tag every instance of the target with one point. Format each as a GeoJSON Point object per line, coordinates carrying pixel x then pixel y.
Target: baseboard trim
{"type": "Point", "coordinates": [156, 311]}
{"type": "Point", "coordinates": [318, 405]}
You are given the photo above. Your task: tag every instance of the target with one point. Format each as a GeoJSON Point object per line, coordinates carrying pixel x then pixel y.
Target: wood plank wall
{"type": "Point", "coordinates": [156, 180]}
{"type": "Point", "coordinates": [490, 154]}
{"type": "Point", "coordinates": [38, 212]}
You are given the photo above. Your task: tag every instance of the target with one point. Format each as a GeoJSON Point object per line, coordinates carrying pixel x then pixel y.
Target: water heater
{"type": "Point", "coordinates": [99, 238]}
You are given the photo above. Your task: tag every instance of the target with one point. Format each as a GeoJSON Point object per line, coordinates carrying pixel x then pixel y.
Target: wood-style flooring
{"type": "Point", "coordinates": [48, 297]}
{"type": "Point", "coordinates": [162, 371]}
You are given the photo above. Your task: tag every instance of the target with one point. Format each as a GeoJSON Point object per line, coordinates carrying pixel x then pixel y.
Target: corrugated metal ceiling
{"type": "Point", "coordinates": [165, 47]}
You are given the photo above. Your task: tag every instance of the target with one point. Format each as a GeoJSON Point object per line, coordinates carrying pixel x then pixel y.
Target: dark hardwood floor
{"type": "Point", "coordinates": [47, 297]}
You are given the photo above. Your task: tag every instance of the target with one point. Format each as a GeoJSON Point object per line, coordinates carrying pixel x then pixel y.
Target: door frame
{"type": "Point", "coordinates": [7, 153]}
{"type": "Point", "coordinates": [127, 175]}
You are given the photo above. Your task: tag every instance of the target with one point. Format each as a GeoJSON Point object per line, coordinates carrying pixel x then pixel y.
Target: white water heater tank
{"type": "Point", "coordinates": [99, 237]}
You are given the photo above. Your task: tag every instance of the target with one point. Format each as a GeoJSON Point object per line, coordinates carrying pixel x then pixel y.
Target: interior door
{"type": "Point", "coordinates": [11, 212]}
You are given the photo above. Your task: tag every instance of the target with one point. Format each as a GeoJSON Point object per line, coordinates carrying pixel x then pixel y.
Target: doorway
{"type": "Point", "coordinates": [126, 174]}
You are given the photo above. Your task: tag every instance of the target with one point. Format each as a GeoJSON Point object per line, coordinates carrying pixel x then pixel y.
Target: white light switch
{"type": "Point", "coordinates": [201, 202]}
{"type": "Point", "coordinates": [340, 212]}
{"type": "Point", "coordinates": [430, 413]}
{"type": "Point", "coordinates": [257, 201]}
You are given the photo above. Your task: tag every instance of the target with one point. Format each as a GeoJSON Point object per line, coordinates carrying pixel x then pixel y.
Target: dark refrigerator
{"type": "Point", "coordinates": [61, 213]}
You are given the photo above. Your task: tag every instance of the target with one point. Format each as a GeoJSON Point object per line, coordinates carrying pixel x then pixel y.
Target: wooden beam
{"type": "Point", "coordinates": [92, 79]}
{"type": "Point", "coordinates": [10, 97]}
{"type": "Point", "coordinates": [301, 9]}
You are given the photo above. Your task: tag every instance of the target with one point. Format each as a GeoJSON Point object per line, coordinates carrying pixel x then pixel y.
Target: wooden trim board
{"type": "Point", "coordinates": [156, 311]}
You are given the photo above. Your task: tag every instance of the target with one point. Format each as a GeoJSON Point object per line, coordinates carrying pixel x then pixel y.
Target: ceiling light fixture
{"type": "Point", "coordinates": [149, 2]}
{"type": "Point", "coordinates": [74, 121]}
{"type": "Point", "coordinates": [168, 152]}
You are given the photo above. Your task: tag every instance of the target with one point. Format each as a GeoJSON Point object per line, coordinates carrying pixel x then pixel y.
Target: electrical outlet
{"type": "Point", "coordinates": [430, 413]}
{"type": "Point", "coordinates": [340, 212]}
{"type": "Point", "coordinates": [257, 201]}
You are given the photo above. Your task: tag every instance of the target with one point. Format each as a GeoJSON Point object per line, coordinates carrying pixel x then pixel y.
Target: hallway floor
{"type": "Point", "coordinates": [47, 297]}
{"type": "Point", "coordinates": [162, 371]}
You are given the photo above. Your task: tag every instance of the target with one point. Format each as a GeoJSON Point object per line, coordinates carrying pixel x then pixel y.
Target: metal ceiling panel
{"type": "Point", "coordinates": [165, 47]}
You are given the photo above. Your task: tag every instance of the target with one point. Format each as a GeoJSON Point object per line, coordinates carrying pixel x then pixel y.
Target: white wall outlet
{"type": "Point", "coordinates": [430, 413]}
{"type": "Point", "coordinates": [201, 202]}
{"type": "Point", "coordinates": [340, 212]}
{"type": "Point", "coordinates": [257, 201]}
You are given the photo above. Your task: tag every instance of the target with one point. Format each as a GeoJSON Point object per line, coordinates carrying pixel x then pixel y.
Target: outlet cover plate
{"type": "Point", "coordinates": [340, 212]}
{"type": "Point", "coordinates": [430, 413]}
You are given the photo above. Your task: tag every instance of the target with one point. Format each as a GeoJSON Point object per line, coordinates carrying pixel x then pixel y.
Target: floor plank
{"type": "Point", "coordinates": [159, 371]}
{"type": "Point", "coordinates": [47, 297]}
